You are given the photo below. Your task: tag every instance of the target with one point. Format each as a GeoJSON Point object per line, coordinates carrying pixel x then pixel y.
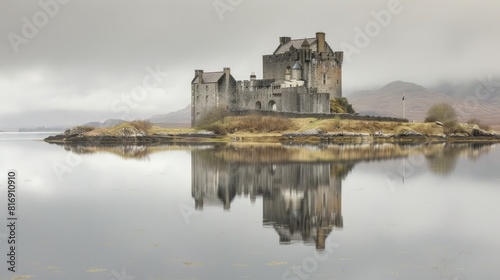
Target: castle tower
{"type": "Point", "coordinates": [297, 71]}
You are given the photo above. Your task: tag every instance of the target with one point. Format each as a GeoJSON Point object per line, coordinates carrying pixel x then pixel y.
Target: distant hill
{"type": "Point", "coordinates": [107, 123]}
{"type": "Point", "coordinates": [42, 129]}
{"type": "Point", "coordinates": [387, 101]}
{"type": "Point", "coordinates": [181, 118]}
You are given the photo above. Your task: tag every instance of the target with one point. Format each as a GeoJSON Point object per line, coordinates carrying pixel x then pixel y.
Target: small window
{"type": "Point", "coordinates": [206, 88]}
{"type": "Point", "coordinates": [206, 98]}
{"type": "Point", "coordinates": [324, 78]}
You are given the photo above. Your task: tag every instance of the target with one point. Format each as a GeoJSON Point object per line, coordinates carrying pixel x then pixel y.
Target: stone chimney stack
{"type": "Point", "coordinates": [253, 81]}
{"type": "Point", "coordinates": [320, 42]}
{"type": "Point", "coordinates": [199, 73]}
{"type": "Point", "coordinates": [284, 40]}
{"type": "Point", "coordinates": [227, 74]}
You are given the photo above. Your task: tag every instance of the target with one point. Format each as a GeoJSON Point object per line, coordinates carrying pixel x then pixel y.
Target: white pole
{"type": "Point", "coordinates": [404, 106]}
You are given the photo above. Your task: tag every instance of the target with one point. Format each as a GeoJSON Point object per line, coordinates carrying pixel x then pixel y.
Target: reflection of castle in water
{"type": "Point", "coordinates": [301, 200]}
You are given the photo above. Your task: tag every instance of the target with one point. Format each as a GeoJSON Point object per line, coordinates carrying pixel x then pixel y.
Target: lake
{"type": "Point", "coordinates": [251, 211]}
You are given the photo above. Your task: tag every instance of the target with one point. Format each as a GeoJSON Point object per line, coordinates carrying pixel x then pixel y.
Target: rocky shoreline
{"type": "Point", "coordinates": [310, 136]}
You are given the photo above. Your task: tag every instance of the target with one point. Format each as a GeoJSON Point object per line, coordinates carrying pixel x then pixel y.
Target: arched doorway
{"type": "Point", "coordinates": [272, 106]}
{"type": "Point", "coordinates": [258, 105]}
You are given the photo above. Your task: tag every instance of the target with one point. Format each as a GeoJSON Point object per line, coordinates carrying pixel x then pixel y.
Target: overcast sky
{"type": "Point", "coordinates": [75, 61]}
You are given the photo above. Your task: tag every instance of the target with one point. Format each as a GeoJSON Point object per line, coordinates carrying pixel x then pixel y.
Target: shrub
{"type": "Point", "coordinates": [441, 112]}
{"type": "Point", "coordinates": [86, 128]}
{"type": "Point", "coordinates": [143, 125]}
{"type": "Point", "coordinates": [445, 114]}
{"type": "Point", "coordinates": [217, 129]}
{"type": "Point", "coordinates": [341, 105]}
{"type": "Point", "coordinates": [450, 127]}
{"type": "Point", "coordinates": [213, 116]}
{"type": "Point", "coordinates": [477, 122]}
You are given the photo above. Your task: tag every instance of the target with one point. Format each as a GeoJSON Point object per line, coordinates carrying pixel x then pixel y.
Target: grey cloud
{"type": "Point", "coordinates": [92, 47]}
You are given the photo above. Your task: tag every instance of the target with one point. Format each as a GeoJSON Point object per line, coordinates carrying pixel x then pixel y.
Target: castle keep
{"type": "Point", "coordinates": [301, 76]}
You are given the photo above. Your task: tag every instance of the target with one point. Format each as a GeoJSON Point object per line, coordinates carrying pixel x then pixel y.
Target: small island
{"type": "Point", "coordinates": [271, 129]}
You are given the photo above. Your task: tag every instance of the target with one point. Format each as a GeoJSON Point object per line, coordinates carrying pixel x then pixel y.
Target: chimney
{"type": "Point", "coordinates": [284, 40]}
{"type": "Point", "coordinates": [227, 74]}
{"type": "Point", "coordinates": [253, 81]}
{"type": "Point", "coordinates": [253, 76]}
{"type": "Point", "coordinates": [320, 41]}
{"type": "Point", "coordinates": [199, 73]}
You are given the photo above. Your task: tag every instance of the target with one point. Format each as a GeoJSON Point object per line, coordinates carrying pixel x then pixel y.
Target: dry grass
{"type": "Point", "coordinates": [337, 125]}
{"type": "Point", "coordinates": [479, 123]}
{"type": "Point", "coordinates": [163, 130]}
{"type": "Point", "coordinates": [427, 128]}
{"type": "Point", "coordinates": [267, 124]}
{"type": "Point", "coordinates": [144, 125]}
{"type": "Point", "coordinates": [256, 123]}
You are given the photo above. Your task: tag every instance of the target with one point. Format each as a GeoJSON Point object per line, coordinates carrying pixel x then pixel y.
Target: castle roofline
{"type": "Point", "coordinates": [297, 44]}
{"type": "Point", "coordinates": [209, 77]}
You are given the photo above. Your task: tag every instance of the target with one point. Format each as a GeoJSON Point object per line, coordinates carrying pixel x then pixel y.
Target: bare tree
{"type": "Point", "coordinates": [442, 112]}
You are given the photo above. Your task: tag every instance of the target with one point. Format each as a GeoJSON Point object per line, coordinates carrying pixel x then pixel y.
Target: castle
{"type": "Point", "coordinates": [301, 76]}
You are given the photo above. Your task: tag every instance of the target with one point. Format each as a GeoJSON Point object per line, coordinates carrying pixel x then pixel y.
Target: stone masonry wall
{"type": "Point", "coordinates": [317, 115]}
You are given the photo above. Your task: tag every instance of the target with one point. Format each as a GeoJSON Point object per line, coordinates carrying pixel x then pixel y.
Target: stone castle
{"type": "Point", "coordinates": [301, 76]}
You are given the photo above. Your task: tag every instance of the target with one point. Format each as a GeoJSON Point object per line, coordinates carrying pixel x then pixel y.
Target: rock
{"type": "Point", "coordinates": [480, 132]}
{"type": "Point", "coordinates": [439, 123]}
{"type": "Point", "coordinates": [410, 133]}
{"type": "Point", "coordinates": [77, 130]}
{"type": "Point", "coordinates": [381, 134]}
{"type": "Point", "coordinates": [347, 133]}
{"type": "Point", "coordinates": [204, 132]}
{"type": "Point", "coordinates": [459, 135]}
{"type": "Point", "coordinates": [130, 132]}
{"type": "Point", "coordinates": [314, 131]}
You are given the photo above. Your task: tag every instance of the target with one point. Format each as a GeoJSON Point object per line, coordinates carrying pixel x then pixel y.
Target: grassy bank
{"type": "Point", "coordinates": [267, 124]}
{"type": "Point", "coordinates": [269, 129]}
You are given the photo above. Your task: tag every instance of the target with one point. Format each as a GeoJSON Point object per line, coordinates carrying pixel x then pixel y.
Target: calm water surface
{"type": "Point", "coordinates": [263, 212]}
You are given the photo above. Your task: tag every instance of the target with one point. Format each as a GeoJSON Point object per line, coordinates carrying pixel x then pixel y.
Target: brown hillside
{"type": "Point", "coordinates": [387, 101]}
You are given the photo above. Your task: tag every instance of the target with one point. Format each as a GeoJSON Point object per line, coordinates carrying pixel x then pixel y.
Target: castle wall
{"type": "Point", "coordinates": [326, 74]}
{"type": "Point", "coordinates": [205, 97]}
{"type": "Point", "coordinates": [293, 99]}
{"type": "Point", "coordinates": [274, 65]}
